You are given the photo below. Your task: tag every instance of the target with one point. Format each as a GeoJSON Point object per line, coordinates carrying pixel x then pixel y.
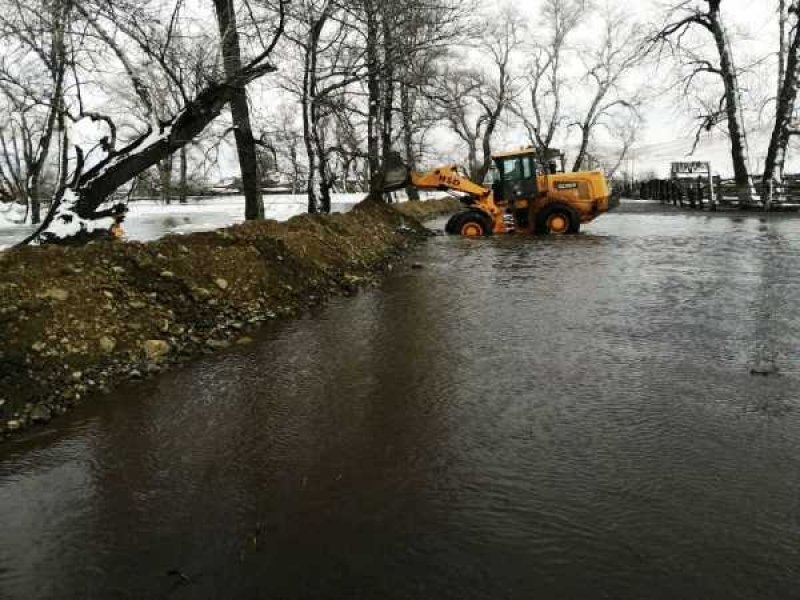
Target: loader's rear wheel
{"type": "Point", "coordinates": [557, 220]}
{"type": "Point", "coordinates": [469, 224]}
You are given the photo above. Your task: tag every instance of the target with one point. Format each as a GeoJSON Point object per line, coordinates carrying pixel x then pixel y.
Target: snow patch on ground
{"type": "Point", "coordinates": [11, 215]}
{"type": "Point", "coordinates": [150, 219]}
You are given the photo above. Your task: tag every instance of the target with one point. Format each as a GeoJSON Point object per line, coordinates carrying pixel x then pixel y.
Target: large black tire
{"type": "Point", "coordinates": [472, 223]}
{"type": "Point", "coordinates": [450, 226]}
{"type": "Point", "coordinates": [557, 219]}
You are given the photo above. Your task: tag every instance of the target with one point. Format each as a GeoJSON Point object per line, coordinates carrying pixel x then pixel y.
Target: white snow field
{"type": "Point", "coordinates": [150, 220]}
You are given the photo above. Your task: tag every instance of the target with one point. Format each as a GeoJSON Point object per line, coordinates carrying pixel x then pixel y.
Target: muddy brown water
{"type": "Point", "coordinates": [520, 418]}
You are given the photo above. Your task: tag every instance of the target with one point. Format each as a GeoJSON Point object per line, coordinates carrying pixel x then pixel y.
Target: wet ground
{"type": "Point", "coordinates": [520, 418]}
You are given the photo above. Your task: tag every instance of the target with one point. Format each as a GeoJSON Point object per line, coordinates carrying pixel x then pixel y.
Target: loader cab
{"type": "Point", "coordinates": [515, 177]}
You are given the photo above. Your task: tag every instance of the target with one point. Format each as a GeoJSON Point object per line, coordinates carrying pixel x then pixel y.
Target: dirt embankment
{"type": "Point", "coordinates": [75, 320]}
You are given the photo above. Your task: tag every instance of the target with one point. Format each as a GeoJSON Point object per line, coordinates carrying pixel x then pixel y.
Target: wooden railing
{"type": "Point", "coordinates": [719, 193]}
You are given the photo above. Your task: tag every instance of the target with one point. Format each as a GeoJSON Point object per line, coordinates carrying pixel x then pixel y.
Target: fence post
{"type": "Point", "coordinates": [712, 193]}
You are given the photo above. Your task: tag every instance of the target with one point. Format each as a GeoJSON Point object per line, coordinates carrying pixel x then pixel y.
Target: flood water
{"type": "Point", "coordinates": [521, 418]}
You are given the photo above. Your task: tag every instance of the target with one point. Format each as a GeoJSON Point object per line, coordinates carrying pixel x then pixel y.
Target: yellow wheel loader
{"type": "Point", "coordinates": [527, 194]}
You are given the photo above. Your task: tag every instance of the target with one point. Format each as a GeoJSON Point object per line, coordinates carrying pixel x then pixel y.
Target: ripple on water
{"type": "Point", "coordinates": [561, 418]}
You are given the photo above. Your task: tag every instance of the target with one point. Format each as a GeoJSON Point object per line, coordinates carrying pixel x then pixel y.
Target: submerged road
{"type": "Point", "coordinates": [521, 418]}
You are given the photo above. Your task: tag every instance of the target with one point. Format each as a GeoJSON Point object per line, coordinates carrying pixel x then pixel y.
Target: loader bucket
{"type": "Point", "coordinates": [395, 173]}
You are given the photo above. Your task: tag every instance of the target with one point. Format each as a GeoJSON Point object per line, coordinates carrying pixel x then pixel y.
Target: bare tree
{"type": "Point", "coordinates": [784, 127]}
{"type": "Point", "coordinates": [607, 66]}
{"type": "Point", "coordinates": [545, 77]}
{"type": "Point", "coordinates": [624, 128]}
{"type": "Point", "coordinates": [283, 138]}
{"type": "Point", "coordinates": [35, 104]}
{"type": "Point", "coordinates": [330, 67]}
{"type": "Point", "coordinates": [473, 100]}
{"type": "Point", "coordinates": [705, 16]}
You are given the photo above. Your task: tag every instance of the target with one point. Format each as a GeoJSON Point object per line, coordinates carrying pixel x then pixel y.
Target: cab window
{"type": "Point", "coordinates": [517, 168]}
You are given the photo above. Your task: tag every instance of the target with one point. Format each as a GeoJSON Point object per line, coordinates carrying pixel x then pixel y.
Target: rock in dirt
{"type": "Point", "coordinates": [155, 350]}
{"type": "Point", "coordinates": [107, 344]}
{"type": "Point", "coordinates": [218, 344]}
{"type": "Point", "coordinates": [55, 293]}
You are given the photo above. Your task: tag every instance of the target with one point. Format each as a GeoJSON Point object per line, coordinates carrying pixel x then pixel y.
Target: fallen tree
{"type": "Point", "coordinates": [80, 210]}
{"type": "Point", "coordinates": [83, 207]}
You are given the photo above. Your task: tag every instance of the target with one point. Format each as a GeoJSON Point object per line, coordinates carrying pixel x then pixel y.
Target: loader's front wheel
{"type": "Point", "coordinates": [469, 224]}
{"type": "Point", "coordinates": [557, 220]}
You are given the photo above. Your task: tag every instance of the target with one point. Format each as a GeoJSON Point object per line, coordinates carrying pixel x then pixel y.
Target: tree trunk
{"type": "Point", "coordinates": [781, 45]}
{"type": "Point", "coordinates": [165, 179]}
{"type": "Point", "coordinates": [324, 178]}
{"type": "Point", "coordinates": [319, 181]}
{"type": "Point", "coordinates": [295, 168]}
{"type": "Point", "coordinates": [407, 111]}
{"type": "Point", "coordinates": [311, 153]}
{"type": "Point", "coordinates": [182, 190]}
{"type": "Point", "coordinates": [77, 202]}
{"type": "Point", "coordinates": [486, 142]}
{"type": "Point", "coordinates": [58, 53]}
{"type": "Point", "coordinates": [583, 148]}
{"type": "Point", "coordinates": [388, 82]}
{"type": "Point", "coordinates": [374, 100]}
{"type": "Point", "coordinates": [240, 112]}
{"type": "Point", "coordinates": [472, 160]}
{"type": "Point", "coordinates": [733, 112]}
{"type": "Point", "coordinates": [776, 152]}
{"type": "Point", "coordinates": [388, 87]}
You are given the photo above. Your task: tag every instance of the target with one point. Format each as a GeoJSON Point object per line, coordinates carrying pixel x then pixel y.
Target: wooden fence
{"type": "Point", "coordinates": [702, 194]}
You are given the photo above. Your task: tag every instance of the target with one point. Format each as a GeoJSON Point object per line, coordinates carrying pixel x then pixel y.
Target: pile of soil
{"type": "Point", "coordinates": [76, 320]}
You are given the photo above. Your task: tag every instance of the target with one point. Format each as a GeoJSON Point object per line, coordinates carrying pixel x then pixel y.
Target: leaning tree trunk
{"type": "Point", "coordinates": [787, 98]}
{"type": "Point", "coordinates": [240, 112]}
{"type": "Point", "coordinates": [782, 18]}
{"type": "Point", "coordinates": [587, 125]}
{"type": "Point", "coordinates": [736, 128]}
{"type": "Point", "coordinates": [583, 148]}
{"type": "Point", "coordinates": [76, 212]}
